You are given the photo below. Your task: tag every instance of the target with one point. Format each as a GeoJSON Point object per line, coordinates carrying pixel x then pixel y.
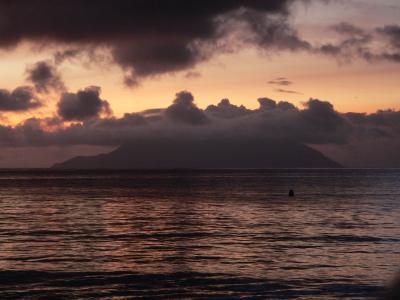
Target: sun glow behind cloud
{"type": "Point", "coordinates": [241, 75]}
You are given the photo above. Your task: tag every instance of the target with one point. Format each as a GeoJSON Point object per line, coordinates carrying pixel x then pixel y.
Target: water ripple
{"type": "Point", "coordinates": [198, 234]}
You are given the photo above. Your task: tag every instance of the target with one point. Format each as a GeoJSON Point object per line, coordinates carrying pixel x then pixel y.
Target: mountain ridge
{"type": "Point", "coordinates": [204, 154]}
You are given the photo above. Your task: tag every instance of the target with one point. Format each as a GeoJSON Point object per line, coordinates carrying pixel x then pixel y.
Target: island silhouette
{"type": "Point", "coordinates": [223, 153]}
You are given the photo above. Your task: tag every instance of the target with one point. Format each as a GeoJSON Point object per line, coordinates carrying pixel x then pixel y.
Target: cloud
{"type": "Point", "coordinates": [348, 29]}
{"type": "Point", "coordinates": [21, 99]}
{"type": "Point", "coordinates": [270, 32]}
{"type": "Point", "coordinates": [45, 77]}
{"type": "Point", "coordinates": [185, 111]}
{"type": "Point", "coordinates": [374, 142]}
{"type": "Point", "coordinates": [383, 123]}
{"type": "Point", "coordinates": [266, 104]}
{"type": "Point", "coordinates": [83, 105]}
{"type": "Point", "coordinates": [317, 123]}
{"type": "Point", "coordinates": [226, 110]}
{"type": "Point", "coordinates": [192, 75]}
{"type": "Point", "coordinates": [322, 119]}
{"type": "Point", "coordinates": [152, 38]}
{"type": "Point", "coordinates": [349, 48]}
{"type": "Point", "coordinates": [280, 81]}
{"type": "Point", "coordinates": [146, 38]}
{"type": "Point", "coordinates": [288, 91]}
{"type": "Point", "coordinates": [378, 44]}
{"type": "Point", "coordinates": [347, 136]}
{"type": "Point", "coordinates": [61, 56]}
{"type": "Point", "coordinates": [393, 33]}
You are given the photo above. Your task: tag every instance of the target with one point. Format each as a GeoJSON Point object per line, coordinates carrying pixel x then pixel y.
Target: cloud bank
{"type": "Point", "coordinates": [92, 123]}
{"type": "Point", "coordinates": [145, 37]}
{"type": "Point", "coordinates": [154, 37]}
{"type": "Point", "coordinates": [84, 118]}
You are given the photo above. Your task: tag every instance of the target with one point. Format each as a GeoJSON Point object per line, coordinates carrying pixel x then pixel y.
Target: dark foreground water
{"type": "Point", "coordinates": [195, 235]}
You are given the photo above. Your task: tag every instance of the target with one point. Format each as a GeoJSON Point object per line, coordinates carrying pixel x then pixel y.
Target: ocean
{"type": "Point", "coordinates": [211, 234]}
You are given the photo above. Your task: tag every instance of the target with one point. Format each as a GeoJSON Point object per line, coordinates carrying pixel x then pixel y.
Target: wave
{"type": "Point", "coordinates": [179, 285]}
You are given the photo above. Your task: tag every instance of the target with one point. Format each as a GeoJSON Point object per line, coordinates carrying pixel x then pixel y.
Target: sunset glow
{"type": "Point", "coordinates": [345, 53]}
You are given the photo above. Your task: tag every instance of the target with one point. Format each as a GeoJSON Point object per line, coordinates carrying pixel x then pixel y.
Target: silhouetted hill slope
{"type": "Point", "coordinates": [209, 154]}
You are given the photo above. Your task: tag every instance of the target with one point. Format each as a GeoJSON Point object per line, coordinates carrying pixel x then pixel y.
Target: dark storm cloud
{"type": "Point", "coordinates": [271, 32]}
{"type": "Point", "coordinates": [146, 37]}
{"type": "Point", "coordinates": [185, 111]}
{"type": "Point", "coordinates": [153, 37]}
{"type": "Point", "coordinates": [383, 123]}
{"type": "Point", "coordinates": [45, 77]}
{"type": "Point", "coordinates": [266, 104]}
{"type": "Point", "coordinates": [75, 21]}
{"type": "Point", "coordinates": [85, 104]}
{"type": "Point", "coordinates": [226, 110]}
{"type": "Point", "coordinates": [20, 99]}
{"type": "Point", "coordinates": [374, 142]}
{"type": "Point", "coordinates": [322, 116]}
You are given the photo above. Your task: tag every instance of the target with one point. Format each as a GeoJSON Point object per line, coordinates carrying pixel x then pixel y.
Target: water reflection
{"type": "Point", "coordinates": [200, 233]}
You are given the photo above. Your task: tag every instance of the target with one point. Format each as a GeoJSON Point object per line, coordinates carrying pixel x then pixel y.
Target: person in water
{"type": "Point", "coordinates": [291, 193]}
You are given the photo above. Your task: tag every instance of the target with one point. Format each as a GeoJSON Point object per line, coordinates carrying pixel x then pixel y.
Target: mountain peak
{"type": "Point", "coordinates": [204, 154]}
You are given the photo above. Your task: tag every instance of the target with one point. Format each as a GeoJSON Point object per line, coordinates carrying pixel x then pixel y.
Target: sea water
{"type": "Point", "coordinates": [211, 234]}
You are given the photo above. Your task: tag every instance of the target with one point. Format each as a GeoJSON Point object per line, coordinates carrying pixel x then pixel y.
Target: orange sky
{"type": "Point", "coordinates": [242, 76]}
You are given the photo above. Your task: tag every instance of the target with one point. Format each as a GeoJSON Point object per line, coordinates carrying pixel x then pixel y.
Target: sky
{"type": "Point", "coordinates": [83, 77]}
